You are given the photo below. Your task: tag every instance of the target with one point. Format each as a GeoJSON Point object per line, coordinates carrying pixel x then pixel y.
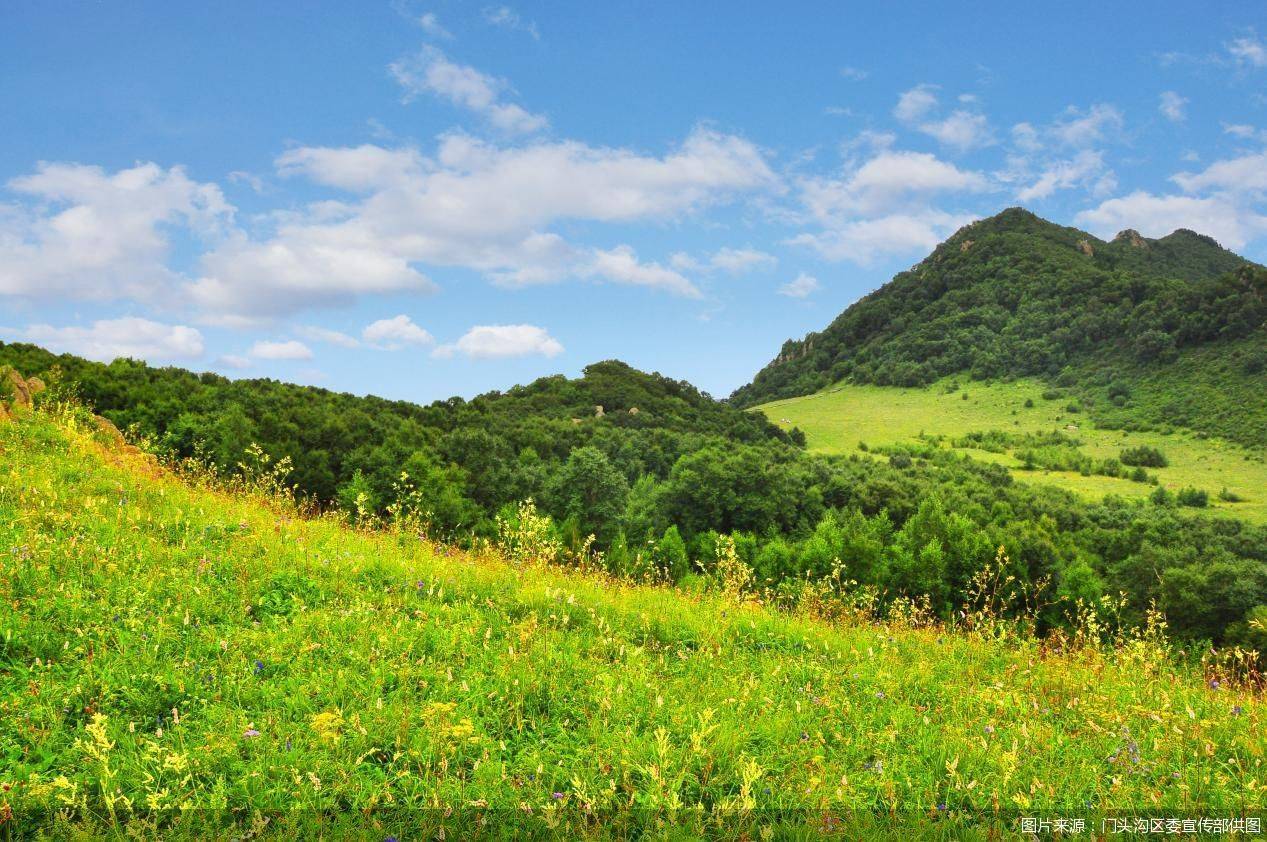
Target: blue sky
{"type": "Point", "coordinates": [425, 199]}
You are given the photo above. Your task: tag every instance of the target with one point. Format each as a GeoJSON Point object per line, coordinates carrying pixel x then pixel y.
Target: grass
{"type": "Point", "coordinates": [175, 660]}
{"type": "Point", "coordinates": [837, 419]}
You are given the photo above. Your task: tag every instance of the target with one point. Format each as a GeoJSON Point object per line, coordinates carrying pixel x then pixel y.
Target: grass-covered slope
{"type": "Point", "coordinates": [1015, 295]}
{"type": "Point", "coordinates": [840, 419]}
{"type": "Point", "coordinates": [218, 659]}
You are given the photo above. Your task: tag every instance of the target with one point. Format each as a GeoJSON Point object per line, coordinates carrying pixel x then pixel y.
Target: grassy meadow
{"type": "Point", "coordinates": [836, 420]}
{"type": "Point", "coordinates": [176, 659]}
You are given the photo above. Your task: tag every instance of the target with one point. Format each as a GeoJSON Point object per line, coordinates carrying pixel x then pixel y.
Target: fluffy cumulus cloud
{"type": "Point", "coordinates": [502, 341]}
{"type": "Point", "coordinates": [1246, 174]}
{"type": "Point", "coordinates": [802, 286]}
{"type": "Point", "coordinates": [290, 349]}
{"type": "Point", "coordinates": [396, 332]}
{"type": "Point", "coordinates": [961, 130]}
{"type": "Point", "coordinates": [81, 231]}
{"type": "Point", "coordinates": [109, 339]}
{"type": "Point", "coordinates": [1086, 169]}
{"type": "Point", "coordinates": [474, 205]}
{"type": "Point", "coordinates": [885, 205]}
{"type": "Point", "coordinates": [431, 72]}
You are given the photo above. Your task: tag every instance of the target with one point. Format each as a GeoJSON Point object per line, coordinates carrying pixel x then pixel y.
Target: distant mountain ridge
{"type": "Point", "coordinates": [1017, 295]}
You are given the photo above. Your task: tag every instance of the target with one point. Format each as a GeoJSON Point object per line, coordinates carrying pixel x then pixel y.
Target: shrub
{"type": "Point", "coordinates": [1029, 403]}
{"type": "Point", "coordinates": [1230, 496]}
{"type": "Point", "coordinates": [1053, 394]}
{"type": "Point", "coordinates": [1144, 456]}
{"type": "Point", "coordinates": [1195, 497]}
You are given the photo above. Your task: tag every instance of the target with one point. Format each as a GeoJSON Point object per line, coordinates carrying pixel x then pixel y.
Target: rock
{"type": "Point", "coordinates": [110, 431]}
{"type": "Point", "coordinates": [633, 410]}
{"type": "Point", "coordinates": [1084, 246]}
{"type": "Point", "coordinates": [967, 244]}
{"type": "Point", "coordinates": [1133, 237]}
{"type": "Point", "coordinates": [598, 411]}
{"type": "Point", "coordinates": [20, 392]}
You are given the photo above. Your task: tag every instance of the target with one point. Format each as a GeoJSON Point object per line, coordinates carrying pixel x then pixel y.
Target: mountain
{"type": "Point", "coordinates": [1016, 295]}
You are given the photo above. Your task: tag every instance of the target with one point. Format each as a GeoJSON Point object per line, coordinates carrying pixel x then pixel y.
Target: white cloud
{"type": "Point", "coordinates": [802, 286]}
{"type": "Point", "coordinates": [738, 261]}
{"type": "Point", "coordinates": [1086, 169]}
{"type": "Point", "coordinates": [508, 18]}
{"type": "Point", "coordinates": [732, 261]}
{"type": "Point", "coordinates": [1081, 128]}
{"type": "Point", "coordinates": [1156, 216]}
{"type": "Point", "coordinates": [853, 74]}
{"type": "Point", "coordinates": [622, 266]}
{"type": "Point", "coordinates": [884, 206]}
{"type": "Point", "coordinates": [431, 25]}
{"type": "Point", "coordinates": [356, 169]}
{"type": "Point", "coordinates": [887, 181]}
{"type": "Point", "coordinates": [865, 240]}
{"type": "Point", "coordinates": [288, 350]}
{"type": "Point", "coordinates": [962, 130]}
{"type": "Point", "coordinates": [322, 334]}
{"type": "Point", "coordinates": [90, 234]}
{"type": "Point", "coordinates": [108, 339]}
{"type": "Point", "coordinates": [1240, 130]}
{"type": "Point", "coordinates": [473, 205]}
{"type": "Point", "coordinates": [915, 104]}
{"type": "Point", "coordinates": [1248, 51]}
{"type": "Point", "coordinates": [395, 332]}
{"type": "Point", "coordinates": [1172, 106]}
{"type": "Point", "coordinates": [431, 72]}
{"type": "Point", "coordinates": [234, 361]}
{"type": "Point", "coordinates": [502, 341]}
{"type": "Point", "coordinates": [1246, 174]}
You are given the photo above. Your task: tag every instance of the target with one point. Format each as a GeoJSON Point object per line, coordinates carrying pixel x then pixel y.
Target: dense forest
{"type": "Point", "coordinates": [1015, 295]}
{"type": "Point", "coordinates": [656, 471]}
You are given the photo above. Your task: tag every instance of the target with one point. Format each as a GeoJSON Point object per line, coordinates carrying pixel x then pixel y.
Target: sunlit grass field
{"type": "Point", "coordinates": [838, 419]}
{"type": "Point", "coordinates": [175, 660]}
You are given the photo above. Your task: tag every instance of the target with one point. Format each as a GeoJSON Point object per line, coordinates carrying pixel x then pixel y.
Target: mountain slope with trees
{"type": "Point", "coordinates": [1015, 295]}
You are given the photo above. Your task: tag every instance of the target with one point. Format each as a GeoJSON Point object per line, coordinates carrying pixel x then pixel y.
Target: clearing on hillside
{"type": "Point", "coordinates": [838, 419]}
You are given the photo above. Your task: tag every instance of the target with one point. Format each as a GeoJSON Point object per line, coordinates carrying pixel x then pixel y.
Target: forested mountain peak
{"type": "Point", "coordinates": [1015, 294]}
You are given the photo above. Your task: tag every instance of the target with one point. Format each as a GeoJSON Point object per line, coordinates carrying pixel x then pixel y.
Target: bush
{"type": "Point", "coordinates": [1194, 497]}
{"type": "Point", "coordinates": [1053, 394]}
{"type": "Point", "coordinates": [1144, 456]}
{"type": "Point", "coordinates": [1029, 403]}
{"type": "Point", "coordinates": [1230, 496]}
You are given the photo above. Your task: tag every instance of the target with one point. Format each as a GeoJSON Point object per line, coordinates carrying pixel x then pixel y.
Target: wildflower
{"type": "Point", "coordinates": [250, 733]}
{"type": "Point", "coordinates": [1237, 710]}
{"type": "Point", "coordinates": [556, 796]}
{"type": "Point", "coordinates": [259, 666]}
{"type": "Point", "coordinates": [1214, 684]}
{"type": "Point", "coordinates": [879, 694]}
{"type": "Point", "coordinates": [941, 807]}
{"type": "Point", "coordinates": [989, 729]}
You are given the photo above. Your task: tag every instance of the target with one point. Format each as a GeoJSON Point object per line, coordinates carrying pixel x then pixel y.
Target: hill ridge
{"type": "Point", "coordinates": [1017, 295]}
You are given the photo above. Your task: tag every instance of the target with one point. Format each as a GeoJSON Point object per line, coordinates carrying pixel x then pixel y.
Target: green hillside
{"type": "Point", "coordinates": [1016, 296]}
{"type": "Point", "coordinates": [840, 419]}
{"type": "Point", "coordinates": [178, 655]}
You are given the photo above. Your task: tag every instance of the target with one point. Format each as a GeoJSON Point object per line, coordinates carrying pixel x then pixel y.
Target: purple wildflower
{"type": "Point", "coordinates": [259, 666]}
{"type": "Point", "coordinates": [1237, 710]}
{"type": "Point", "coordinates": [989, 729]}
{"type": "Point", "coordinates": [1214, 684]}
{"type": "Point", "coordinates": [250, 733]}
{"type": "Point", "coordinates": [556, 796]}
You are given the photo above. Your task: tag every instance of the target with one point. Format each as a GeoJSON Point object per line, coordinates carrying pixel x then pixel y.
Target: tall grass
{"type": "Point", "coordinates": [179, 658]}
